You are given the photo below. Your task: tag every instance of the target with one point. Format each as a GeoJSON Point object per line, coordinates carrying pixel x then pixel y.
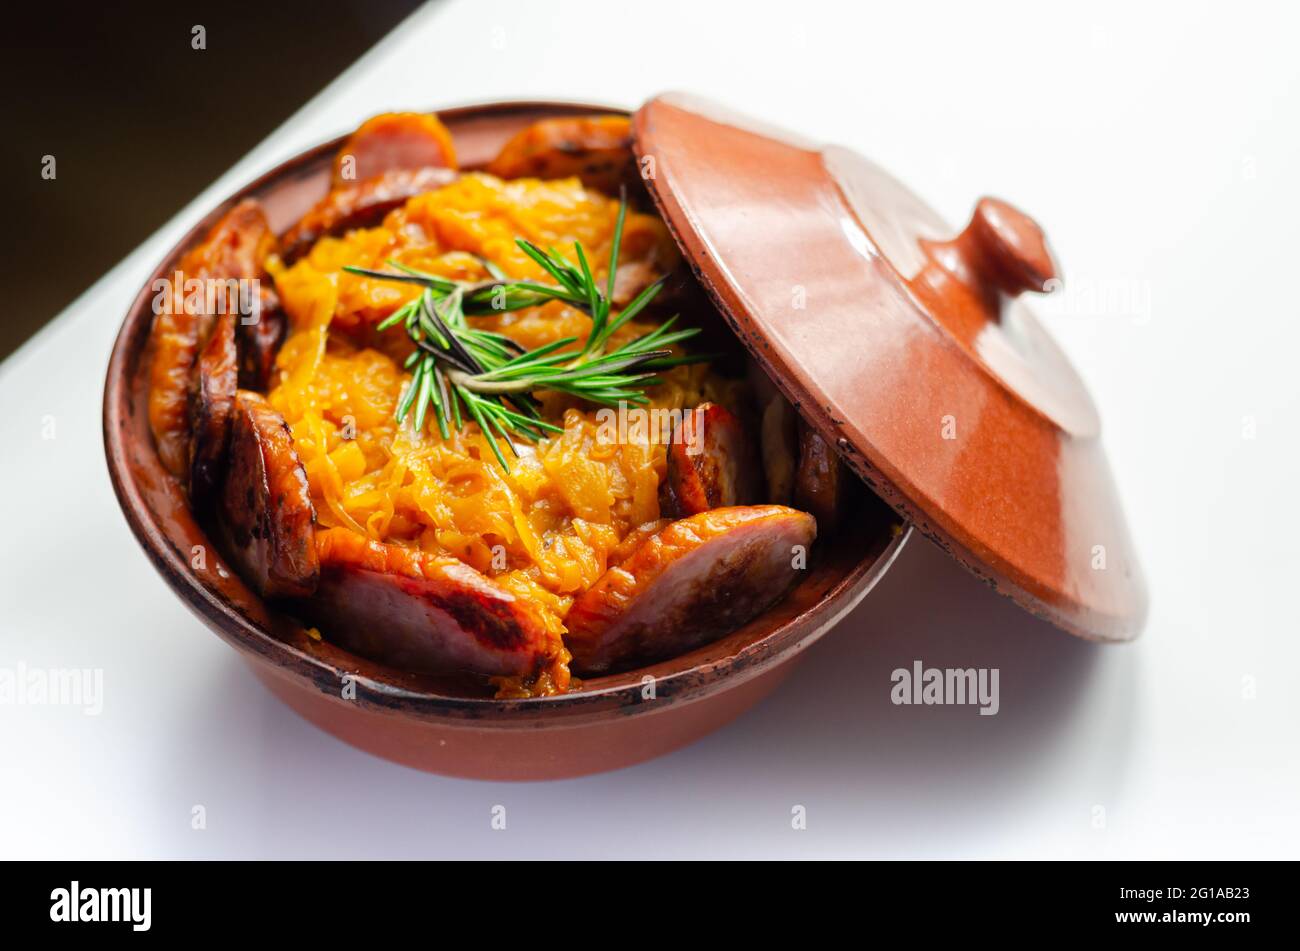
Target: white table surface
{"type": "Point", "coordinates": [1159, 149]}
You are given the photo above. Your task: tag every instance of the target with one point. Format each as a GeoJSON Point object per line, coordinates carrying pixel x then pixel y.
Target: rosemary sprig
{"type": "Point", "coordinates": [459, 371]}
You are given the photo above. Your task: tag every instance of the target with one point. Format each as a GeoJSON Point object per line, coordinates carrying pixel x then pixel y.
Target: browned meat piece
{"type": "Point", "coordinates": [647, 251]}
{"type": "Point", "coordinates": [696, 580]}
{"type": "Point", "coordinates": [631, 278]}
{"type": "Point", "coordinates": [711, 464]}
{"type": "Point", "coordinates": [211, 404]}
{"type": "Point", "coordinates": [266, 512]}
{"type": "Point", "coordinates": [421, 612]}
{"type": "Point", "coordinates": [259, 341]}
{"type": "Point", "coordinates": [233, 250]}
{"type": "Point", "coordinates": [596, 149]}
{"type": "Point", "coordinates": [361, 204]}
{"type": "Point", "coordinates": [822, 482]}
{"type": "Point", "coordinates": [393, 141]}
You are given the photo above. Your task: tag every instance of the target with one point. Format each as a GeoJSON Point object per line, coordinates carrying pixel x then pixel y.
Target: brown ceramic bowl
{"type": "Point", "coordinates": [432, 723]}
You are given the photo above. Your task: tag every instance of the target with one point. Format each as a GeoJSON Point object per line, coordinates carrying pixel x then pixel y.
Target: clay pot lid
{"type": "Point", "coordinates": [906, 344]}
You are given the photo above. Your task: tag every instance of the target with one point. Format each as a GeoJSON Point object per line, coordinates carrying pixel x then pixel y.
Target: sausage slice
{"type": "Point", "coordinates": [421, 612]}
{"type": "Point", "coordinates": [596, 149]}
{"type": "Point", "coordinates": [822, 482]}
{"type": "Point", "coordinates": [711, 463]}
{"type": "Point", "coordinates": [258, 339]}
{"type": "Point", "coordinates": [696, 580]}
{"type": "Point", "coordinates": [233, 250]}
{"type": "Point", "coordinates": [266, 512]}
{"type": "Point", "coordinates": [360, 204]}
{"type": "Point", "coordinates": [211, 404]}
{"type": "Point", "coordinates": [392, 141]}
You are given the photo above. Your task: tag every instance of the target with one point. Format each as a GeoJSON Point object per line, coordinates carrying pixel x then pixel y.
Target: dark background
{"type": "Point", "coordinates": [139, 122]}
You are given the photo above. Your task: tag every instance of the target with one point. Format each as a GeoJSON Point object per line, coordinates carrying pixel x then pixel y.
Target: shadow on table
{"type": "Point", "coordinates": [1067, 712]}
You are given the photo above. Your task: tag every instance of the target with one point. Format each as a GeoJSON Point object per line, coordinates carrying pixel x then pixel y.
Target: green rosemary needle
{"type": "Point", "coordinates": [459, 371]}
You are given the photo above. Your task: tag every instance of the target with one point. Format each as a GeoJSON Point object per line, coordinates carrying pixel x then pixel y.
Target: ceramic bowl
{"type": "Point", "coordinates": [438, 724]}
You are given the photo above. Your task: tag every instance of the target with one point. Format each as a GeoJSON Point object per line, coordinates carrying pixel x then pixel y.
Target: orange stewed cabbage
{"type": "Point", "coordinates": [545, 529]}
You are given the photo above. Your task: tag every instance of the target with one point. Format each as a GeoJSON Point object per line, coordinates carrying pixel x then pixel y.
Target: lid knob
{"type": "Point", "coordinates": [1001, 254]}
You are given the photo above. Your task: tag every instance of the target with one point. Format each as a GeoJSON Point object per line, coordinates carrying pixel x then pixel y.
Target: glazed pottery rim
{"type": "Point", "coordinates": [289, 660]}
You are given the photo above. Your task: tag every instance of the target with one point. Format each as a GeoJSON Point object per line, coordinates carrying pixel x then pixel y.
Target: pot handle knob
{"type": "Point", "coordinates": [1001, 252]}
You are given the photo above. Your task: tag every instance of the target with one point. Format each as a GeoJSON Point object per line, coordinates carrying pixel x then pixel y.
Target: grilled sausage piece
{"type": "Point", "coordinates": [266, 512]}
{"type": "Point", "coordinates": [392, 141]}
{"type": "Point", "coordinates": [233, 250]}
{"type": "Point", "coordinates": [821, 482]}
{"type": "Point", "coordinates": [696, 580]}
{"type": "Point", "coordinates": [360, 204]}
{"type": "Point", "coordinates": [711, 464]}
{"type": "Point", "coordinates": [421, 612]}
{"type": "Point", "coordinates": [596, 149]}
{"type": "Point", "coordinates": [211, 404]}
{"type": "Point", "coordinates": [259, 341]}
